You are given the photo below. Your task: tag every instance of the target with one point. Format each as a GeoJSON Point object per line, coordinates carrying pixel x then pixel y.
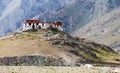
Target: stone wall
{"type": "Point", "coordinates": [31, 61]}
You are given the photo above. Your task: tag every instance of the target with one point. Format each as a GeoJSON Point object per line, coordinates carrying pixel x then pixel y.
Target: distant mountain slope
{"type": "Point", "coordinates": [79, 13]}
{"type": "Point", "coordinates": [14, 12]}
{"type": "Point", "coordinates": [105, 29]}
{"type": "Point", "coordinates": [57, 45]}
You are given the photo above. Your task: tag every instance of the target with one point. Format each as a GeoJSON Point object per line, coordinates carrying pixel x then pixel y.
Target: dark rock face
{"type": "Point", "coordinates": [31, 61]}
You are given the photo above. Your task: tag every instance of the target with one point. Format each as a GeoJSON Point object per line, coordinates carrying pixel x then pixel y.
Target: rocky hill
{"type": "Point", "coordinates": [52, 47]}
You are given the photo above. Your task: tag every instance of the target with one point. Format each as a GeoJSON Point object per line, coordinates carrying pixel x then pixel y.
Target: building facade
{"type": "Point", "coordinates": [36, 24]}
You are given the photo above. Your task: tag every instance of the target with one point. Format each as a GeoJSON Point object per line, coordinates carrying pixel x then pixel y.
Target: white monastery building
{"type": "Point", "coordinates": [36, 24]}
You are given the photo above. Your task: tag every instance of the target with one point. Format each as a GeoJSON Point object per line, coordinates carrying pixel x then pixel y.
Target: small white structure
{"type": "Point", "coordinates": [35, 24]}
{"type": "Point", "coordinates": [88, 65]}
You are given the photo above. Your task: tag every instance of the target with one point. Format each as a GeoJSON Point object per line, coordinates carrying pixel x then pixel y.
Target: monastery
{"type": "Point", "coordinates": [36, 24]}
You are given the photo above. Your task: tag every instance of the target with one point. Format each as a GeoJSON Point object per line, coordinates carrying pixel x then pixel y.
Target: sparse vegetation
{"type": "Point", "coordinates": [57, 44]}
{"type": "Point", "coordinates": [16, 63]}
{"type": "Point", "coordinates": [83, 69]}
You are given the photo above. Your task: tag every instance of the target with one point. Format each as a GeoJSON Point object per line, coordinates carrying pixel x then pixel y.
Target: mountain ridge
{"type": "Point", "coordinates": [104, 30]}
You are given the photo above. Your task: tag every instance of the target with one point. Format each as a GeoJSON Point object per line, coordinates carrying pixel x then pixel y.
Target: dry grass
{"type": "Point", "coordinates": [24, 47]}
{"type": "Point", "coordinates": [29, 44]}
{"type": "Point", "coordinates": [35, 69]}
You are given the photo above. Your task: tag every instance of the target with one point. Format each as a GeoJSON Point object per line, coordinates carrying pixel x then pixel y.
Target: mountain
{"type": "Point", "coordinates": [80, 12]}
{"type": "Point", "coordinates": [73, 13]}
{"type": "Point", "coordinates": [105, 30]}
{"type": "Point", "coordinates": [14, 12]}
{"type": "Point", "coordinates": [52, 47]}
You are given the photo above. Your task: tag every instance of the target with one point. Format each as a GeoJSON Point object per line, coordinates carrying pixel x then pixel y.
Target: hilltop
{"type": "Point", "coordinates": [52, 47]}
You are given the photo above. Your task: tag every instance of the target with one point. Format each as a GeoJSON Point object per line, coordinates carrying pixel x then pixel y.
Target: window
{"type": "Point", "coordinates": [29, 24]}
{"type": "Point", "coordinates": [42, 24]}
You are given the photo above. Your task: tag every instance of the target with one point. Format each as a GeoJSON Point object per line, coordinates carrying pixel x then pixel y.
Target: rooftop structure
{"type": "Point", "coordinates": [36, 24]}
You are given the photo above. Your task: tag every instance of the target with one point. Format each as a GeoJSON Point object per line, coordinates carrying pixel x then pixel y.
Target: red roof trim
{"type": "Point", "coordinates": [32, 21]}
{"type": "Point", "coordinates": [37, 21]}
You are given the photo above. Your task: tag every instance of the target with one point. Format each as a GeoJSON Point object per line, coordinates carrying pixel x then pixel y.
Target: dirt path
{"type": "Point", "coordinates": [6, 37]}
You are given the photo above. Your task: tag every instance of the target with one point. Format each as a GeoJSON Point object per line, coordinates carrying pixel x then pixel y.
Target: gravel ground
{"type": "Point", "coordinates": [36, 69]}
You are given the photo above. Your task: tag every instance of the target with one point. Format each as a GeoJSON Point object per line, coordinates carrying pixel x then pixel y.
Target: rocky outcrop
{"type": "Point", "coordinates": [77, 46]}
{"type": "Point", "coordinates": [35, 60]}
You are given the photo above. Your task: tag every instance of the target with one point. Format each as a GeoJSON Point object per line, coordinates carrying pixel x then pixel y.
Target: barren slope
{"type": "Point", "coordinates": [105, 30]}
{"type": "Point", "coordinates": [56, 44]}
